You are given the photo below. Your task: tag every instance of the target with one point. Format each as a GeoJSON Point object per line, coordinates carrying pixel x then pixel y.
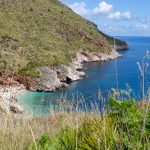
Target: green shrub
{"type": "Point", "coordinates": [45, 142]}
{"type": "Point", "coordinates": [125, 126]}
{"type": "Point", "coordinates": [99, 134]}
{"type": "Point", "coordinates": [129, 120]}
{"type": "Point", "coordinates": [67, 139]}
{"type": "Point", "coordinates": [30, 70]}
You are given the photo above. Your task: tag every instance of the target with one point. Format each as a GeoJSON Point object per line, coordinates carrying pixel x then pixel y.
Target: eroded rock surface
{"type": "Point", "coordinates": [68, 73]}
{"type": "Point", "coordinates": [48, 81]}
{"type": "Point", "coordinates": [52, 79]}
{"type": "Point", "coordinates": [92, 56]}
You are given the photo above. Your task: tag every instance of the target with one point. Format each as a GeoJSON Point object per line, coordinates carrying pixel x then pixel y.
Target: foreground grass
{"type": "Point", "coordinates": [20, 132]}
{"type": "Point", "coordinates": [125, 126]}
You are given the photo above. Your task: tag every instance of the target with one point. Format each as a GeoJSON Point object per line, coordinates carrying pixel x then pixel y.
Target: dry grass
{"type": "Point", "coordinates": [18, 131]}
{"type": "Point", "coordinates": [126, 126]}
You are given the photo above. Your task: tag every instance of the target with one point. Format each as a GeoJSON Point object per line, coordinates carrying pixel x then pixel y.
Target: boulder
{"type": "Point", "coordinates": [16, 108]}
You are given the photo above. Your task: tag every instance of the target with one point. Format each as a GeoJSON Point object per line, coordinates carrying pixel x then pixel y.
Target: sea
{"type": "Point", "coordinates": [124, 74]}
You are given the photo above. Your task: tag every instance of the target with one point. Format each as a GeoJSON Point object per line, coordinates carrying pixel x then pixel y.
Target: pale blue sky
{"type": "Point", "coordinates": [115, 17]}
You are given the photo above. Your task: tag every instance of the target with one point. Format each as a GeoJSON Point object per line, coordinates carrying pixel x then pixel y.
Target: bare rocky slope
{"type": "Point", "coordinates": [43, 44]}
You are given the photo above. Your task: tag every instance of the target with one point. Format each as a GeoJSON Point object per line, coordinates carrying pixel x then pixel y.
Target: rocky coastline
{"type": "Point", "coordinates": [56, 78]}
{"type": "Point", "coordinates": [51, 79]}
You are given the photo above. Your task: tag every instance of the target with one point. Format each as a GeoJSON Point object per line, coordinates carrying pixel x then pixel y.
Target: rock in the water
{"type": "Point", "coordinates": [16, 108]}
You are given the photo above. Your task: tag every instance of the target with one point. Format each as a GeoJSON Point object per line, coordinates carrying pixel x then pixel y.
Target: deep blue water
{"type": "Point", "coordinates": [101, 76]}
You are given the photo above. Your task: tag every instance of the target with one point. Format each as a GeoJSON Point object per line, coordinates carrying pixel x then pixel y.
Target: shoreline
{"type": "Point", "coordinates": [52, 80]}
{"type": "Point", "coordinates": [9, 96]}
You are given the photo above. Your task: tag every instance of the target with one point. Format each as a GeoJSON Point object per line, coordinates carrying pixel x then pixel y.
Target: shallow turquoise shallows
{"type": "Point", "coordinates": [101, 76]}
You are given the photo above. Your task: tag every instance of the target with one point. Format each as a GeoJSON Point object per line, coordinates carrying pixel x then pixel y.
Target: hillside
{"type": "Point", "coordinates": [37, 33]}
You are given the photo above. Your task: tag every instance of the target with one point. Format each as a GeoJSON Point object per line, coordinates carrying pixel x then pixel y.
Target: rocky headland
{"type": "Point", "coordinates": [56, 78]}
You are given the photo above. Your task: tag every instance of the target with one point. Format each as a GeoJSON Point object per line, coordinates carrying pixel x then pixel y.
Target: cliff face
{"type": "Point", "coordinates": [45, 33]}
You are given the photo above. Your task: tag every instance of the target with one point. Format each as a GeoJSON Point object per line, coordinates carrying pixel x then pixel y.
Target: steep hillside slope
{"type": "Point", "coordinates": [37, 33]}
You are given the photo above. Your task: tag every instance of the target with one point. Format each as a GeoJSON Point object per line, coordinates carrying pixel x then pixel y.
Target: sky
{"type": "Point", "coordinates": [115, 17]}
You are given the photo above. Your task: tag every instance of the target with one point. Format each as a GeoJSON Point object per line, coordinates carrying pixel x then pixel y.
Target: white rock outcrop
{"type": "Point", "coordinates": [83, 56]}
{"type": "Point", "coordinates": [70, 73]}
{"type": "Point", "coordinates": [8, 99]}
{"type": "Point", "coordinates": [48, 80]}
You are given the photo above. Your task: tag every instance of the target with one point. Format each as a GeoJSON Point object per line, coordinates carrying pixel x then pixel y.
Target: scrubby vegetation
{"type": "Point", "coordinates": [44, 32]}
{"type": "Point", "coordinates": [123, 125]}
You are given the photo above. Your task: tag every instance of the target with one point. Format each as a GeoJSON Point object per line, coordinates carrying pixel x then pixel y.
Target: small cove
{"type": "Point", "coordinates": [100, 76]}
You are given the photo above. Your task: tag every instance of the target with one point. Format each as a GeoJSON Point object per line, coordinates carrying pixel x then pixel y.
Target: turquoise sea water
{"type": "Point", "coordinates": [101, 76]}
